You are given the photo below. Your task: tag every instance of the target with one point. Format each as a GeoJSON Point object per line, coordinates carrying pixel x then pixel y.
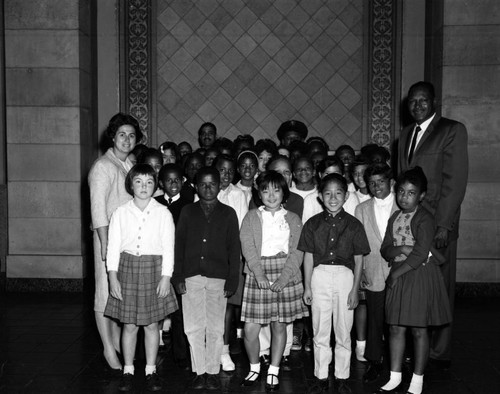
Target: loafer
{"type": "Point", "coordinates": [212, 382]}
{"type": "Point", "coordinates": [126, 382]}
{"type": "Point", "coordinates": [198, 382]}
{"type": "Point", "coordinates": [319, 386]}
{"type": "Point", "coordinates": [274, 385]}
{"type": "Point", "coordinates": [342, 386]}
{"type": "Point", "coordinates": [250, 380]}
{"type": "Point", "coordinates": [153, 382]}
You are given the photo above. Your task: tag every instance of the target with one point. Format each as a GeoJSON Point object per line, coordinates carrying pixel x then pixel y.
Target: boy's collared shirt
{"type": "Point", "coordinates": [334, 240]}
{"type": "Point", "coordinates": [383, 210]}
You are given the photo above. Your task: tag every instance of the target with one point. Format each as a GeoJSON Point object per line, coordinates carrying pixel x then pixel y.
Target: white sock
{"type": "Point", "coordinates": [253, 368]}
{"type": "Point", "coordinates": [272, 371]}
{"type": "Point", "coordinates": [128, 369]}
{"type": "Point", "coordinates": [150, 369]}
{"type": "Point", "coordinates": [393, 382]}
{"type": "Point", "coordinates": [225, 349]}
{"type": "Point", "coordinates": [361, 344]}
{"type": "Point", "coordinates": [161, 339]}
{"type": "Point", "coordinates": [239, 333]}
{"type": "Point", "coordinates": [417, 384]}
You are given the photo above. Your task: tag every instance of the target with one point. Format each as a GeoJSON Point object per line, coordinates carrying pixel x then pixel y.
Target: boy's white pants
{"type": "Point", "coordinates": [330, 286]}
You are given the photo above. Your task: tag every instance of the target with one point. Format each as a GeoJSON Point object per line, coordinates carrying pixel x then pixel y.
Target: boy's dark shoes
{"type": "Point", "coordinates": [342, 386]}
{"type": "Point", "coordinates": [373, 372]}
{"type": "Point", "coordinates": [265, 360]}
{"type": "Point", "coordinates": [319, 386]}
{"type": "Point", "coordinates": [285, 364]}
{"type": "Point", "coordinates": [126, 382]}
{"type": "Point", "coordinates": [438, 365]}
{"type": "Point", "coordinates": [198, 382]}
{"type": "Point", "coordinates": [212, 382]}
{"type": "Point", "coordinates": [153, 382]}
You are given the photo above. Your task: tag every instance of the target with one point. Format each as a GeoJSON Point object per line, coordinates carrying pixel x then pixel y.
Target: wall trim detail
{"type": "Point", "coordinates": [382, 83]}
{"type": "Point", "coordinates": [138, 57]}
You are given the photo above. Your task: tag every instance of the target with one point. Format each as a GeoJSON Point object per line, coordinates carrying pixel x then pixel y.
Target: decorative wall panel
{"type": "Point", "coordinates": [249, 65]}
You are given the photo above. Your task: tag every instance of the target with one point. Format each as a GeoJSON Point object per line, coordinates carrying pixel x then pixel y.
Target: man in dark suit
{"type": "Point", "coordinates": [439, 146]}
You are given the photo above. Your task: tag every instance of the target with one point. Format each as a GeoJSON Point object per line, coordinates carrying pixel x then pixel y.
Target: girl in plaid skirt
{"type": "Point", "coordinates": [140, 261]}
{"type": "Point", "coordinates": [273, 286]}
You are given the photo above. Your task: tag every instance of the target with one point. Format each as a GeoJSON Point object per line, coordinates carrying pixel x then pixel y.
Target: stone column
{"type": "Point", "coordinates": [48, 61]}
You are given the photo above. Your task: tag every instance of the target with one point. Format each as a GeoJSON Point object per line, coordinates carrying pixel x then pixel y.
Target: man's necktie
{"type": "Point", "coordinates": [169, 202]}
{"type": "Point", "coordinates": [413, 143]}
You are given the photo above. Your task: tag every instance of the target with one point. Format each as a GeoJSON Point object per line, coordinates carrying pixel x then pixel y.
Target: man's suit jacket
{"type": "Point", "coordinates": [376, 269]}
{"type": "Point", "coordinates": [442, 154]}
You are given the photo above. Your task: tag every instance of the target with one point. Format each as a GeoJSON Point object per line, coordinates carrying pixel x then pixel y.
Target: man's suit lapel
{"type": "Point", "coordinates": [427, 133]}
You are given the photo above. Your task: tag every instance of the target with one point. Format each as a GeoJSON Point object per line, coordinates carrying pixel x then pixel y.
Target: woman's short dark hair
{"type": "Point", "coordinates": [139, 169]}
{"type": "Point", "coordinates": [271, 177]}
{"type": "Point", "coordinates": [121, 119]}
{"type": "Point", "coordinates": [415, 176]}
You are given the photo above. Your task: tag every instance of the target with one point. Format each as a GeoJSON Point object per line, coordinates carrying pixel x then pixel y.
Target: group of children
{"type": "Point", "coordinates": [266, 235]}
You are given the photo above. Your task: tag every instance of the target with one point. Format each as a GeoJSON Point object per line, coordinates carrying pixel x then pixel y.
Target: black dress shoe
{"type": "Point", "coordinates": [265, 360]}
{"type": "Point", "coordinates": [153, 382]}
{"type": "Point", "coordinates": [126, 382]}
{"type": "Point", "coordinates": [212, 382]}
{"type": "Point", "coordinates": [275, 383]}
{"type": "Point", "coordinates": [250, 380]}
{"type": "Point", "coordinates": [342, 386]}
{"type": "Point", "coordinates": [198, 382]}
{"type": "Point", "coordinates": [320, 386]}
{"type": "Point", "coordinates": [285, 364]}
{"type": "Point", "coordinates": [395, 390]}
{"type": "Point", "coordinates": [373, 372]}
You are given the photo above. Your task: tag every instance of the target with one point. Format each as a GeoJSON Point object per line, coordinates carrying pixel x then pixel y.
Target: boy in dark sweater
{"type": "Point", "coordinates": [207, 258]}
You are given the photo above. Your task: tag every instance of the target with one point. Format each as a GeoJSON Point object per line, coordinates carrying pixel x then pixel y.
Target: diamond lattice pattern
{"type": "Point", "coordinates": [247, 66]}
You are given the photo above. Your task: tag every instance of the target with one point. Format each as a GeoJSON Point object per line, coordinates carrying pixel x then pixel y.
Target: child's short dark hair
{"type": "Point", "coordinates": [266, 145]}
{"type": "Point", "coordinates": [138, 151]}
{"type": "Point", "coordinates": [378, 169]}
{"type": "Point", "coordinates": [270, 177]}
{"type": "Point", "coordinates": [333, 178]}
{"type": "Point", "coordinates": [221, 158]}
{"type": "Point", "coordinates": [329, 162]}
{"type": "Point", "coordinates": [169, 145]}
{"type": "Point", "coordinates": [139, 169]}
{"type": "Point", "coordinates": [204, 171]}
{"type": "Point", "coordinates": [242, 139]}
{"type": "Point", "coordinates": [247, 154]}
{"type": "Point", "coordinates": [148, 153]}
{"type": "Point", "coordinates": [415, 176]}
{"type": "Point", "coordinates": [303, 158]}
{"type": "Point", "coordinates": [298, 146]}
{"type": "Point", "coordinates": [121, 119]}
{"type": "Point", "coordinates": [223, 143]}
{"type": "Point", "coordinates": [279, 158]}
{"type": "Point", "coordinates": [319, 141]}
{"type": "Point", "coordinates": [169, 168]}
{"type": "Point", "coordinates": [345, 147]}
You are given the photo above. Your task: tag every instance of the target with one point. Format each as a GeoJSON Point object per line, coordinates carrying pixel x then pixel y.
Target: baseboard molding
{"type": "Point", "coordinates": [477, 290]}
{"type": "Point", "coordinates": [49, 285]}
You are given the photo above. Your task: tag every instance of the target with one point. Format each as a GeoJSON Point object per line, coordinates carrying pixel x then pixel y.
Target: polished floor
{"type": "Point", "coordinates": [49, 344]}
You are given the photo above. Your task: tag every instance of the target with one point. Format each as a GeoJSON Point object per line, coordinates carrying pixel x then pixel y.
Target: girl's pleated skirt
{"type": "Point", "coordinates": [264, 306]}
{"type": "Point", "coordinates": [139, 277]}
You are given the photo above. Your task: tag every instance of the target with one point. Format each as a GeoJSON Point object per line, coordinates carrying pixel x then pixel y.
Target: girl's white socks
{"type": "Point", "coordinates": [253, 368]}
{"type": "Point", "coordinates": [225, 349]}
{"type": "Point", "coordinates": [393, 382]}
{"type": "Point", "coordinates": [416, 384]}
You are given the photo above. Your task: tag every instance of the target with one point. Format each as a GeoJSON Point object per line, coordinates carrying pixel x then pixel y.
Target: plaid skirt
{"type": "Point", "coordinates": [264, 306]}
{"type": "Point", "coordinates": [139, 277]}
